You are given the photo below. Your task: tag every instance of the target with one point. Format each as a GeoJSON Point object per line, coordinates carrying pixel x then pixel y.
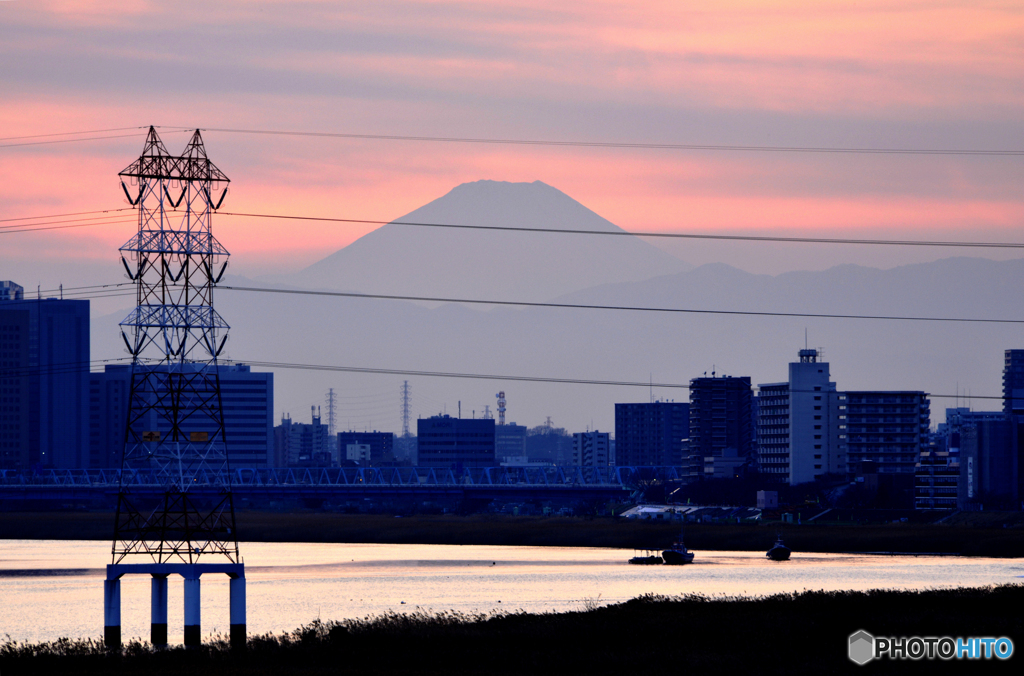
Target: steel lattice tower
{"type": "Point", "coordinates": [406, 407]}
{"type": "Point", "coordinates": [175, 432]}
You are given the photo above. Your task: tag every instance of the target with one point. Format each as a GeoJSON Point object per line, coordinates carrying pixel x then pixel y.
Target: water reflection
{"type": "Point", "coordinates": [53, 589]}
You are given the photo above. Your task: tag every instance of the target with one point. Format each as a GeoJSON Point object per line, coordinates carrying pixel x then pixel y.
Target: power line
{"type": "Point", "coordinates": [114, 290]}
{"type": "Point", "coordinates": [630, 233]}
{"type": "Point", "coordinates": [75, 213]}
{"type": "Point", "coordinates": [64, 225]}
{"type": "Point", "coordinates": [563, 231]}
{"type": "Point", "coordinates": [629, 145]}
{"type": "Point", "coordinates": [71, 133]}
{"type": "Point", "coordinates": [443, 374]}
{"type": "Point", "coordinates": [531, 379]}
{"type": "Point", "coordinates": [66, 140]}
{"type": "Point", "coordinates": [629, 308]}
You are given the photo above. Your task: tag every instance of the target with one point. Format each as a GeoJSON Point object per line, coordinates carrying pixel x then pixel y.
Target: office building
{"type": "Point", "coordinates": [800, 423]}
{"type": "Point", "coordinates": [455, 443]}
{"type": "Point", "coordinates": [721, 438]}
{"type": "Point", "coordinates": [988, 464]}
{"type": "Point", "coordinates": [44, 349]}
{"type": "Point", "coordinates": [592, 449]}
{"type": "Point", "coordinates": [509, 441]}
{"type": "Point", "coordinates": [247, 399]}
{"type": "Point", "coordinates": [380, 447]}
{"type": "Point", "coordinates": [651, 434]}
{"type": "Point", "coordinates": [886, 431]}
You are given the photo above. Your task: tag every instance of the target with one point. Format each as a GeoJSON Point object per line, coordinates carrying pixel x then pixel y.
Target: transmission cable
{"type": "Point", "coordinates": [562, 231]}
{"type": "Point", "coordinates": [629, 233]}
{"type": "Point", "coordinates": [116, 290]}
{"type": "Point", "coordinates": [626, 145]}
{"type": "Point", "coordinates": [628, 308]}
{"type": "Point", "coordinates": [530, 379]}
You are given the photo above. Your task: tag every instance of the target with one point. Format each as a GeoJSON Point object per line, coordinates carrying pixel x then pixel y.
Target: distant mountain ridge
{"type": "Point", "coordinates": [400, 259]}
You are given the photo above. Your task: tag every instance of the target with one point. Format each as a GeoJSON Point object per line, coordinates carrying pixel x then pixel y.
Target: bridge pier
{"type": "Point", "coordinates": [191, 572]}
{"type": "Point", "coordinates": [158, 611]}
{"type": "Point", "coordinates": [193, 633]}
{"type": "Point", "coordinates": [112, 612]}
{"type": "Point", "coordinates": [237, 602]}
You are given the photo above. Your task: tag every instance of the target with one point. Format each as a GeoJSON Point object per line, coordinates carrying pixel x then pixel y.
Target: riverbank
{"type": "Point", "coordinates": [255, 526]}
{"type": "Point", "coordinates": [784, 634]}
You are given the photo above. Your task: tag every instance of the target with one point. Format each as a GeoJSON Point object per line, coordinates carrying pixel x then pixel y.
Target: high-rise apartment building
{"type": "Point", "coordinates": [721, 426]}
{"type": "Point", "coordinates": [591, 449]}
{"type": "Point", "coordinates": [886, 431]}
{"type": "Point", "coordinates": [651, 434]}
{"type": "Point", "coordinates": [303, 444]}
{"type": "Point", "coordinates": [44, 349]}
{"type": "Point", "coordinates": [801, 427]}
{"type": "Point", "coordinates": [1013, 382]}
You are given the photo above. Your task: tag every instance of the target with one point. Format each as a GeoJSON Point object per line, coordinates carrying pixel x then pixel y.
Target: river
{"type": "Point", "coordinates": [53, 589]}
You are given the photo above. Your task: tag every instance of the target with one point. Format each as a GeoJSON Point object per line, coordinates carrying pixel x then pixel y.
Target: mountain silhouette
{"type": "Point", "coordinates": [455, 262]}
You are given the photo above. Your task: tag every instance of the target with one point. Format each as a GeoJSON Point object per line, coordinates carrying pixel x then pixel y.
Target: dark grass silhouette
{"type": "Point", "coordinates": [786, 633]}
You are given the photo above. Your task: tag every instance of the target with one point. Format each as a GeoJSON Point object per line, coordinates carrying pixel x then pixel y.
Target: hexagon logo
{"type": "Point", "coordinates": [862, 647]}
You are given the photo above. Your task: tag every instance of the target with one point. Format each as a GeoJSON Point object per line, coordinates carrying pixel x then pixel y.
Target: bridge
{"type": "Point", "coordinates": [352, 483]}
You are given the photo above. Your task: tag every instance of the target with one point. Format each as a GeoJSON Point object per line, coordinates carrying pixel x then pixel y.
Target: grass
{"type": "Point", "coordinates": [786, 633]}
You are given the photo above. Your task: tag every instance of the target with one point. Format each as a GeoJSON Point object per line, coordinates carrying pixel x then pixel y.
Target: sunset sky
{"type": "Point", "coordinates": [928, 75]}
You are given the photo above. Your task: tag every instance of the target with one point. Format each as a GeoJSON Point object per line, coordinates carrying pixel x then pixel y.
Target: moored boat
{"type": "Point", "coordinates": [647, 559]}
{"type": "Point", "coordinates": [779, 551]}
{"type": "Point", "coordinates": [677, 554]}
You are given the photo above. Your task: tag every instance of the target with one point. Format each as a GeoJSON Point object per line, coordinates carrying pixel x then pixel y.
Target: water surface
{"type": "Point", "coordinates": [50, 589]}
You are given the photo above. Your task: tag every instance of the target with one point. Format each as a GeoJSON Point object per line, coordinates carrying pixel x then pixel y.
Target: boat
{"type": "Point", "coordinates": [647, 559]}
{"type": "Point", "coordinates": [677, 554]}
{"type": "Point", "coordinates": [779, 551]}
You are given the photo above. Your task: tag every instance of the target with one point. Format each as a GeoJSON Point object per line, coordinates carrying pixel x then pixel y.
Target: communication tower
{"type": "Point", "coordinates": [175, 507]}
{"type": "Point", "coordinates": [501, 407]}
{"type": "Point", "coordinates": [406, 407]}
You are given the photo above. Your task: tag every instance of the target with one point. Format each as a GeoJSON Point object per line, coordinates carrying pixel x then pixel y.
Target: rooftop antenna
{"type": "Point", "coordinates": [651, 380]}
{"type": "Point", "coordinates": [460, 409]}
{"type": "Point", "coordinates": [805, 338]}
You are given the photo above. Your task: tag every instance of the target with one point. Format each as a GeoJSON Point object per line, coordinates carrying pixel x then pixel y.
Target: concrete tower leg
{"type": "Point", "coordinates": [158, 611]}
{"type": "Point", "coordinates": [193, 636]}
{"type": "Point", "coordinates": [112, 613]}
{"type": "Point", "coordinates": [237, 601]}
